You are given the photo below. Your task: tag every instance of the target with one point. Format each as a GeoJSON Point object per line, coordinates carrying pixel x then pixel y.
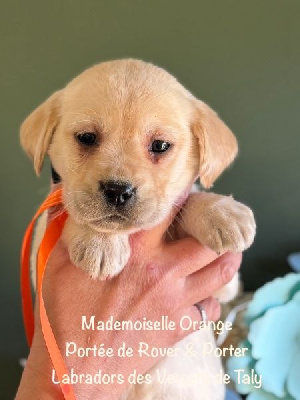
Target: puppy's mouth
{"type": "Point", "coordinates": [114, 218]}
{"type": "Point", "coordinates": [111, 222]}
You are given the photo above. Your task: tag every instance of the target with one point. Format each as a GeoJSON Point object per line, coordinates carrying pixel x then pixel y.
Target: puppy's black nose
{"type": "Point", "coordinates": [117, 193]}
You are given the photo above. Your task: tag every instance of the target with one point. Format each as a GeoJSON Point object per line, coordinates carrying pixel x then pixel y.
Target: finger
{"type": "Point", "coordinates": [188, 255]}
{"type": "Point", "coordinates": [212, 309]}
{"type": "Point", "coordinates": [209, 280]}
{"type": "Point", "coordinates": [189, 319]}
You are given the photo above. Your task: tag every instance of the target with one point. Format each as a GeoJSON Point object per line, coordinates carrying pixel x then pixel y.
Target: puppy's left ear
{"type": "Point", "coordinates": [38, 128]}
{"type": "Point", "coordinates": [218, 145]}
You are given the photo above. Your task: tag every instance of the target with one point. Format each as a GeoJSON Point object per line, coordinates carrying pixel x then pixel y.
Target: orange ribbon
{"type": "Point", "coordinates": [48, 242]}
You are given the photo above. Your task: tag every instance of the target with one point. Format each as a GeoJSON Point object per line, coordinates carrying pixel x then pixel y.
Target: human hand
{"type": "Point", "coordinates": [160, 279]}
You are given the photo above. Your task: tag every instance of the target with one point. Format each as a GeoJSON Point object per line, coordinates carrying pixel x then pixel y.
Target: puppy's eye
{"type": "Point", "coordinates": [159, 146]}
{"type": "Point", "coordinates": [87, 138]}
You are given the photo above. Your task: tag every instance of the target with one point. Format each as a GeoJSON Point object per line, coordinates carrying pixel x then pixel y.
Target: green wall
{"type": "Point", "coordinates": [242, 57]}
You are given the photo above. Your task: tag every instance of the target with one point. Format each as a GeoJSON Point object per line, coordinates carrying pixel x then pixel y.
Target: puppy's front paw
{"type": "Point", "coordinates": [219, 222]}
{"type": "Point", "coordinates": [102, 256]}
{"type": "Point", "coordinates": [227, 225]}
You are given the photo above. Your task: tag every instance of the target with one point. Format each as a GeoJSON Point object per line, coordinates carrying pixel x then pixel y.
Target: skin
{"type": "Point", "coordinates": [173, 276]}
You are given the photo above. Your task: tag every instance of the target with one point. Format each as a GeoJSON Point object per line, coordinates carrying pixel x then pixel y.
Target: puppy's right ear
{"type": "Point", "coordinates": [38, 128]}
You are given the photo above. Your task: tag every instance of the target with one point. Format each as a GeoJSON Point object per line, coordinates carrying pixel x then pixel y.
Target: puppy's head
{"type": "Point", "coordinates": [128, 142]}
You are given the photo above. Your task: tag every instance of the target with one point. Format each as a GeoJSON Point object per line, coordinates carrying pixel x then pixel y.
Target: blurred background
{"type": "Point", "coordinates": [241, 57]}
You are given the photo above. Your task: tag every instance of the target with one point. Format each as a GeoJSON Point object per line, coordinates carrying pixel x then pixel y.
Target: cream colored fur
{"type": "Point", "coordinates": [128, 104]}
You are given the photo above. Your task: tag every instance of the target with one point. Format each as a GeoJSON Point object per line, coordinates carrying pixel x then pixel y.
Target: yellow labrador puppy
{"type": "Point", "coordinates": [128, 141]}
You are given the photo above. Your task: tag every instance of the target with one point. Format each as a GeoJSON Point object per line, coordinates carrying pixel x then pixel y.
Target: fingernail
{"type": "Point", "coordinates": [228, 271]}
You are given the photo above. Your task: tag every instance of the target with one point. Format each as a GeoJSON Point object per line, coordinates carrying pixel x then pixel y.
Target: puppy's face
{"type": "Point", "coordinates": [124, 159]}
{"type": "Point", "coordinates": [128, 142]}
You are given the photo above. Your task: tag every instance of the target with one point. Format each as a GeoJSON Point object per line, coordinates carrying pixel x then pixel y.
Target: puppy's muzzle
{"type": "Point", "coordinates": [118, 194]}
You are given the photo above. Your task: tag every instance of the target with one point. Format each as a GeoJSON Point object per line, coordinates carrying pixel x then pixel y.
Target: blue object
{"type": "Point", "coordinates": [231, 395]}
{"type": "Point", "coordinates": [294, 261]}
{"type": "Point", "coordinates": [273, 319]}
